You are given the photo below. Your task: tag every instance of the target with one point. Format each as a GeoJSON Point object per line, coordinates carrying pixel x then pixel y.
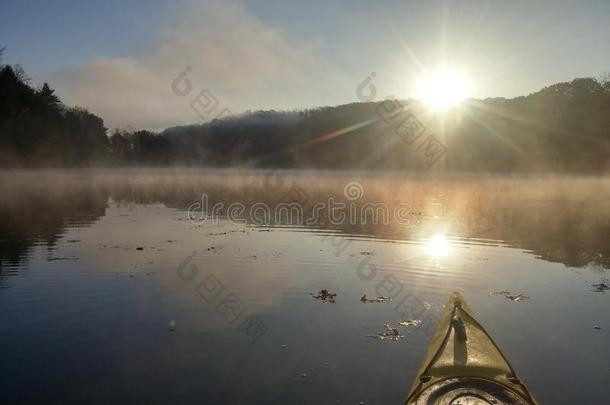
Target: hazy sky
{"type": "Point", "coordinates": [118, 58]}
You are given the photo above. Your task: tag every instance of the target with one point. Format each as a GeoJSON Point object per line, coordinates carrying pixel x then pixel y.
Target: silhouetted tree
{"type": "Point", "coordinates": [48, 97]}
{"type": "Point", "coordinates": [36, 129]}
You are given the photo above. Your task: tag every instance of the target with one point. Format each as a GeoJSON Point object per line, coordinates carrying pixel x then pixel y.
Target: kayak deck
{"type": "Point", "coordinates": [464, 365]}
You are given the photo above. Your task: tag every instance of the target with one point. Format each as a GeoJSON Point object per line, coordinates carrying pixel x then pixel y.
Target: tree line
{"type": "Point", "coordinates": [564, 127]}
{"type": "Point", "coordinates": [36, 129]}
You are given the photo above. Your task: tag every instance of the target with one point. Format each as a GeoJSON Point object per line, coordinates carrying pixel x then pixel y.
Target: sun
{"type": "Point", "coordinates": [443, 89]}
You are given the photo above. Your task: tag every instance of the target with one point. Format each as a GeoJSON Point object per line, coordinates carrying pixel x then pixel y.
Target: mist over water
{"type": "Point", "coordinates": [115, 282]}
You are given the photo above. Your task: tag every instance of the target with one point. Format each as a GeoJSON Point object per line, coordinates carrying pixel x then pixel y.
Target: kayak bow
{"type": "Point", "coordinates": [463, 365]}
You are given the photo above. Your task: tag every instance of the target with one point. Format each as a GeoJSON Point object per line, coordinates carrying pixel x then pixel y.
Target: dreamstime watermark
{"type": "Point", "coordinates": [292, 206]}
{"type": "Point", "coordinates": [298, 211]}
{"type": "Point", "coordinates": [228, 305]}
{"type": "Point", "coordinates": [403, 121]}
{"type": "Point", "coordinates": [408, 305]}
{"type": "Point", "coordinates": [391, 111]}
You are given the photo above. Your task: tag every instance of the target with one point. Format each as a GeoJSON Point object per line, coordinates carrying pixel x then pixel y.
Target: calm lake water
{"type": "Point", "coordinates": [113, 291]}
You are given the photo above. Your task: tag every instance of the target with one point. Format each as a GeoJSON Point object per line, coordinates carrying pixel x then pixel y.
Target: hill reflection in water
{"type": "Point", "coordinates": [558, 219]}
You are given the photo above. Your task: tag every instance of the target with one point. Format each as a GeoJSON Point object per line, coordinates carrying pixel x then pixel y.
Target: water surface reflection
{"type": "Point", "coordinates": [110, 294]}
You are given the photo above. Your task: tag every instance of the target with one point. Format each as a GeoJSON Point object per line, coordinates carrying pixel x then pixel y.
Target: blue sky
{"type": "Point", "coordinates": [288, 54]}
{"type": "Point", "coordinates": [44, 36]}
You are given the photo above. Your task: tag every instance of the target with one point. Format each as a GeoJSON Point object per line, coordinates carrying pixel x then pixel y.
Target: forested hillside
{"type": "Point", "coordinates": [561, 128]}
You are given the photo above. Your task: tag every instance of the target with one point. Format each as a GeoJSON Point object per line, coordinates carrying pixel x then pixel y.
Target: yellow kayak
{"type": "Point", "coordinates": [463, 365]}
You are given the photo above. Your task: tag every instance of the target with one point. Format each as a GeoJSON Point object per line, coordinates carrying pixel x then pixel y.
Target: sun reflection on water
{"type": "Point", "coordinates": [437, 245]}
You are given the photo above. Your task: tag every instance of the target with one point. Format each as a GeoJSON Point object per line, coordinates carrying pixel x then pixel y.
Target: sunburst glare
{"type": "Point", "coordinates": [443, 89]}
{"type": "Point", "coordinates": [437, 246]}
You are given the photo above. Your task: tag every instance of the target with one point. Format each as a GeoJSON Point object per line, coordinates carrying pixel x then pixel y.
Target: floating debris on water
{"type": "Point", "coordinates": [597, 327]}
{"type": "Point", "coordinates": [390, 333]}
{"type": "Point", "coordinates": [139, 248]}
{"type": "Point", "coordinates": [391, 328]}
{"type": "Point", "coordinates": [409, 322]}
{"type": "Point", "coordinates": [325, 296]}
{"type": "Point", "coordinates": [379, 300]}
{"type": "Point", "coordinates": [518, 297]}
{"type": "Point", "coordinates": [382, 337]}
{"type": "Point", "coordinates": [509, 295]}
{"type": "Point", "coordinates": [365, 253]}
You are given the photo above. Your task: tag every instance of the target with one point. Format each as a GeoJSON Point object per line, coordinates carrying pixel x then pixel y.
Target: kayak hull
{"type": "Point", "coordinates": [463, 363]}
